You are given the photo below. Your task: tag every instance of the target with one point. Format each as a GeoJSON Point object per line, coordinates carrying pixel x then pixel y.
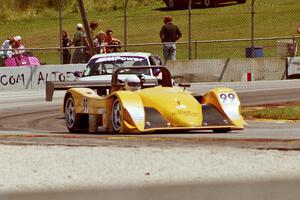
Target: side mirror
{"type": "Point", "coordinates": [142, 78]}
{"type": "Point", "coordinates": [77, 74]}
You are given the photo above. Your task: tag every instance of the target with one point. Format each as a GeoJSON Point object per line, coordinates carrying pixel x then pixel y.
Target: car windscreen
{"type": "Point", "coordinates": [106, 65]}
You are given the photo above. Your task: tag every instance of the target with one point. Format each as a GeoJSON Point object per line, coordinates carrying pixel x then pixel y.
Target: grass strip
{"type": "Point", "coordinates": [272, 112]}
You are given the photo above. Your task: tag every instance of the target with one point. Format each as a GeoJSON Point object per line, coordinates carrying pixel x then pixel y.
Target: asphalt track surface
{"type": "Point", "coordinates": [26, 118]}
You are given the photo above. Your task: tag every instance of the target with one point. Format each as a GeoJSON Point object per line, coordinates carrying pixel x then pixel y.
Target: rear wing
{"type": "Point", "coordinates": [56, 85]}
{"type": "Point", "coordinates": [112, 85]}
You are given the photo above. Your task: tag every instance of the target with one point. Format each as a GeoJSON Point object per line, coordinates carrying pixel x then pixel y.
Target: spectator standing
{"type": "Point", "coordinates": [78, 56]}
{"type": "Point", "coordinates": [86, 49]}
{"type": "Point", "coordinates": [18, 46]}
{"type": "Point", "coordinates": [7, 44]}
{"type": "Point", "coordinates": [169, 34]}
{"type": "Point", "coordinates": [114, 42]}
{"type": "Point", "coordinates": [66, 42]}
{"type": "Point", "coordinates": [94, 25]}
{"type": "Point", "coordinates": [100, 42]}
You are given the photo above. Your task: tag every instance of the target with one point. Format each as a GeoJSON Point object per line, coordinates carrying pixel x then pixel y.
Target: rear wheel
{"type": "Point", "coordinates": [171, 4]}
{"type": "Point", "coordinates": [74, 121]}
{"type": "Point", "coordinates": [206, 3]}
{"type": "Point", "coordinates": [175, 4]}
{"type": "Point", "coordinates": [116, 116]}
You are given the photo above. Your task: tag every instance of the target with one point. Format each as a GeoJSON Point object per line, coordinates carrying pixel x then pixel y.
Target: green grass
{"type": "Point", "coordinates": [273, 18]}
{"type": "Point", "coordinates": [283, 113]}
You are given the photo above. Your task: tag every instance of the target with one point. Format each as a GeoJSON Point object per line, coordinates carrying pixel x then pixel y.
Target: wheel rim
{"type": "Point", "coordinates": [116, 115]}
{"type": "Point", "coordinates": [70, 112]}
{"type": "Point", "coordinates": [206, 3]}
{"type": "Point", "coordinates": [171, 3]}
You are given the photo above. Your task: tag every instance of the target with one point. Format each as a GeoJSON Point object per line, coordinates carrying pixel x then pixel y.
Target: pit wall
{"type": "Point", "coordinates": [202, 70]}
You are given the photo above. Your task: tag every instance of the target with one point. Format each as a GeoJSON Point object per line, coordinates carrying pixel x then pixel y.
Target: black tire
{"type": "Point", "coordinates": [241, 1]}
{"type": "Point", "coordinates": [116, 116]}
{"type": "Point", "coordinates": [206, 3]}
{"type": "Point", "coordinates": [224, 130]}
{"type": "Point", "coordinates": [74, 122]}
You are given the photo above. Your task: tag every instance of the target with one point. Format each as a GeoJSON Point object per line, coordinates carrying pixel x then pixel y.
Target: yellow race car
{"type": "Point", "coordinates": [132, 105]}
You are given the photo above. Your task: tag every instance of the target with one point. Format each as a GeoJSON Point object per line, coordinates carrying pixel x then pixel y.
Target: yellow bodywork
{"type": "Point", "coordinates": [177, 108]}
{"type": "Point", "coordinates": [227, 106]}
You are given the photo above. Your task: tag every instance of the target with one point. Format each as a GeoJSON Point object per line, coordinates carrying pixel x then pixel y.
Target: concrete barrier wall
{"type": "Point", "coordinates": [15, 77]}
{"type": "Point", "coordinates": [202, 70]}
{"type": "Point", "coordinates": [54, 73]}
{"type": "Point", "coordinates": [227, 70]}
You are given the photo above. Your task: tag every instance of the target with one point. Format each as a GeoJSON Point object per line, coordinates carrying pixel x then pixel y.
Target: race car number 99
{"type": "Point", "coordinates": [227, 98]}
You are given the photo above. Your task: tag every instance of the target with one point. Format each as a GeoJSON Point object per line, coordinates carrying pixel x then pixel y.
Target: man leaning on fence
{"type": "Point", "coordinates": [169, 34]}
{"type": "Point", "coordinates": [7, 46]}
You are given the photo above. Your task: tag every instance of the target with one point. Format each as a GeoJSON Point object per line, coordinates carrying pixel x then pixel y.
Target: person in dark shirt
{"type": "Point", "coordinates": [78, 56]}
{"type": "Point", "coordinates": [113, 43]}
{"type": "Point", "coordinates": [66, 42]}
{"type": "Point", "coordinates": [169, 34]}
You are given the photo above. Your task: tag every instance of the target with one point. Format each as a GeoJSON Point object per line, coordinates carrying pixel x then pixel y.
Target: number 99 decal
{"type": "Point", "coordinates": [227, 97]}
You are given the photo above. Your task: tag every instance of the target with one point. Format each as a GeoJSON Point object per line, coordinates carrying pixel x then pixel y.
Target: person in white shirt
{"type": "Point", "coordinates": [7, 44]}
{"type": "Point", "coordinates": [100, 42]}
{"type": "Point", "coordinates": [19, 48]}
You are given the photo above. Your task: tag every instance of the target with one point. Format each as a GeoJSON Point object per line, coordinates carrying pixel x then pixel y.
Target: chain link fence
{"type": "Point", "coordinates": [221, 31]}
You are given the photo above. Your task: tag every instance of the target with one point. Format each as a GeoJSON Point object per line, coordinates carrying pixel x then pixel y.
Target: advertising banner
{"type": "Point", "coordinates": [15, 78]}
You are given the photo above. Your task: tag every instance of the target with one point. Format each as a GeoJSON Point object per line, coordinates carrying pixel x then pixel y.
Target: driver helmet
{"type": "Point", "coordinates": [132, 83]}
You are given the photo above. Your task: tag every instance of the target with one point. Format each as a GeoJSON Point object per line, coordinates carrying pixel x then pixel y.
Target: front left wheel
{"type": "Point", "coordinates": [74, 122]}
{"type": "Point", "coordinates": [117, 116]}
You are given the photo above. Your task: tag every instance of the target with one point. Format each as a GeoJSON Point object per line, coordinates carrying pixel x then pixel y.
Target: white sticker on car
{"type": "Point", "coordinates": [228, 98]}
{"type": "Point", "coordinates": [85, 105]}
{"type": "Point", "coordinates": [230, 104]}
{"type": "Point", "coordinates": [123, 58]}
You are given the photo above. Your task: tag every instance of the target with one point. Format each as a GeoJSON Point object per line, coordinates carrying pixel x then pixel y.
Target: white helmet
{"type": "Point", "coordinates": [132, 83]}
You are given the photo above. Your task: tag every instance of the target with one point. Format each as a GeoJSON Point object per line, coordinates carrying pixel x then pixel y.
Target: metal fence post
{"type": "Point", "coordinates": [196, 50]}
{"type": "Point", "coordinates": [86, 25]}
{"type": "Point", "coordinates": [252, 28]}
{"type": "Point", "coordinates": [125, 25]}
{"type": "Point", "coordinates": [60, 30]}
{"type": "Point", "coordinates": [190, 29]}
